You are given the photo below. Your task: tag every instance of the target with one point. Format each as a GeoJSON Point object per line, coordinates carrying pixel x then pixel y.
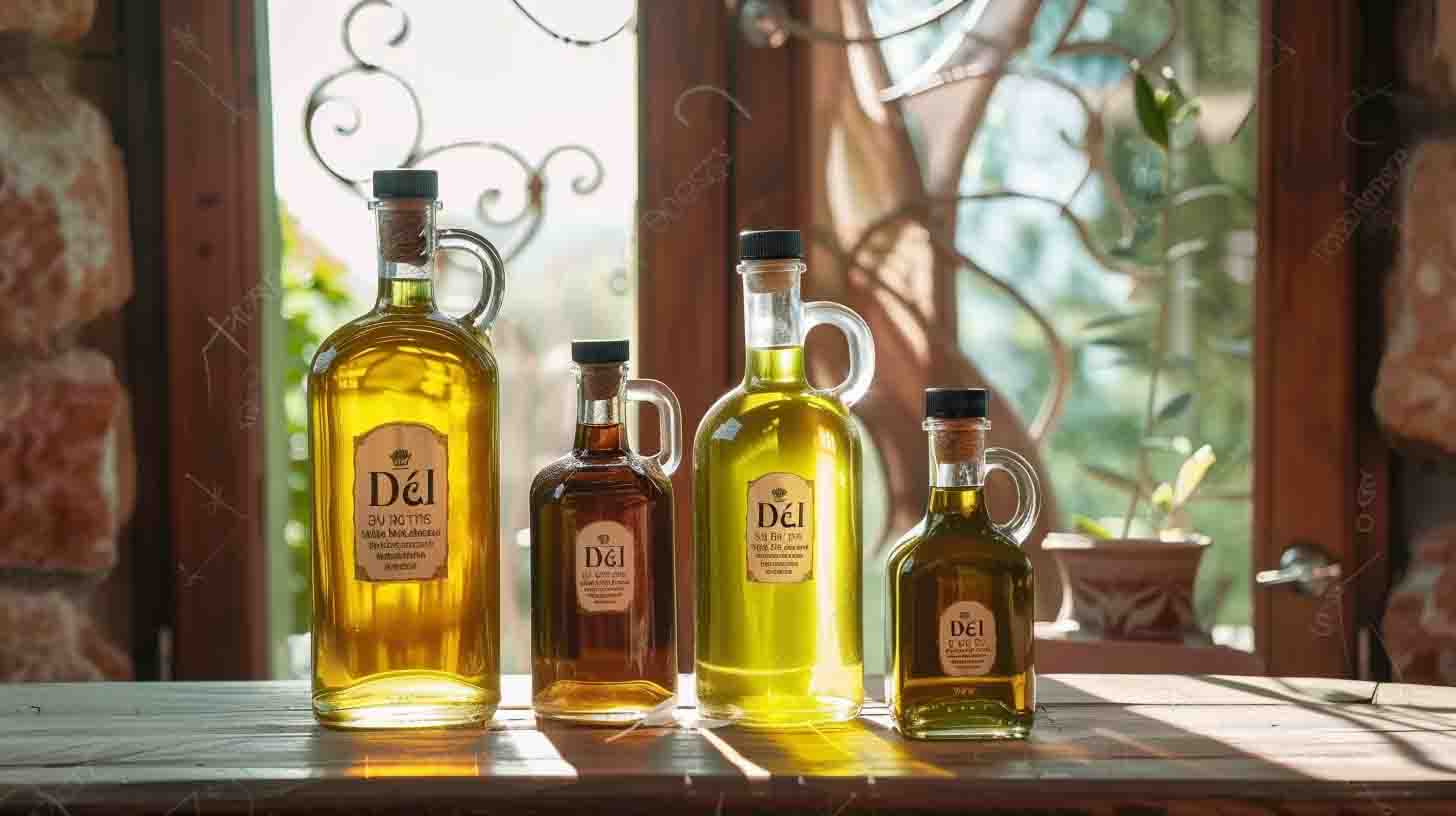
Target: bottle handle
{"type": "Point", "coordinates": [492, 274]}
{"type": "Point", "coordinates": [1028, 491]}
{"type": "Point", "coordinates": [861, 347]}
{"type": "Point", "coordinates": [669, 420]}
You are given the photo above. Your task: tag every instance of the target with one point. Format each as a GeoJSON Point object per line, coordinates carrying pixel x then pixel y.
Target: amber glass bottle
{"type": "Point", "coordinates": [403, 438]}
{"type": "Point", "coordinates": [777, 514]}
{"type": "Point", "coordinates": [960, 594]}
{"type": "Point", "coordinates": [603, 608]}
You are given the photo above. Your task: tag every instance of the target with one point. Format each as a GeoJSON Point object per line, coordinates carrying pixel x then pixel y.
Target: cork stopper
{"type": "Point", "coordinates": [404, 232]}
{"type": "Point", "coordinates": [600, 381]}
{"type": "Point", "coordinates": [959, 442]}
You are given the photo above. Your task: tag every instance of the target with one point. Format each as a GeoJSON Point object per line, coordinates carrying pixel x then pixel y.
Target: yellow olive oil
{"type": "Point", "coordinates": [403, 438]}
{"type": "Point", "coordinates": [777, 518]}
{"type": "Point", "coordinates": [960, 593]}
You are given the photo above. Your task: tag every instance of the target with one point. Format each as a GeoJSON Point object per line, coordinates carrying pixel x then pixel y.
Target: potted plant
{"type": "Point", "coordinates": [1137, 582]}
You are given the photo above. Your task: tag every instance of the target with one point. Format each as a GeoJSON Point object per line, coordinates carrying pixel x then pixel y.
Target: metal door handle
{"type": "Point", "coordinates": [1304, 565]}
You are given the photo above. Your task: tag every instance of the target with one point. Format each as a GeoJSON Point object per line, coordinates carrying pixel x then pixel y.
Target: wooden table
{"type": "Point", "coordinates": [1103, 744]}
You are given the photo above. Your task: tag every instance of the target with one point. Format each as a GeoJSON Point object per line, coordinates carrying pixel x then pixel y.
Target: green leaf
{"type": "Point", "coordinates": [1122, 341]}
{"type": "Point", "coordinates": [1185, 248]}
{"type": "Point", "coordinates": [1177, 106]}
{"type": "Point", "coordinates": [1172, 98]}
{"type": "Point", "coordinates": [1162, 498]}
{"type": "Point", "coordinates": [1110, 320]}
{"type": "Point", "coordinates": [1176, 444]}
{"type": "Point", "coordinates": [1174, 407]}
{"type": "Point", "coordinates": [1110, 477]}
{"type": "Point", "coordinates": [1149, 112]}
{"type": "Point", "coordinates": [1191, 474]}
{"type": "Point", "coordinates": [1089, 527]}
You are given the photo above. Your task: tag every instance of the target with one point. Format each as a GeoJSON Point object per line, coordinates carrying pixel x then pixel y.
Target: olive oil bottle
{"type": "Point", "coordinates": [603, 603]}
{"type": "Point", "coordinates": [404, 443]}
{"type": "Point", "coordinates": [960, 594]}
{"type": "Point", "coordinates": [777, 513]}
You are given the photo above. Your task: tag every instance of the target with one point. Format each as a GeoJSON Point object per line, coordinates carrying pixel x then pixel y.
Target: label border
{"type": "Point", "coordinates": [576, 568]}
{"type": "Point", "coordinates": [443, 440]}
{"type": "Point", "coordinates": [813, 545]}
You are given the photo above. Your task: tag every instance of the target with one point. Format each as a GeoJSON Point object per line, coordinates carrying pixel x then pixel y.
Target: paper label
{"type": "Point", "coordinates": [605, 580]}
{"type": "Point", "coordinates": [967, 639]}
{"type": "Point", "coordinates": [780, 539]}
{"type": "Point", "coordinates": [401, 497]}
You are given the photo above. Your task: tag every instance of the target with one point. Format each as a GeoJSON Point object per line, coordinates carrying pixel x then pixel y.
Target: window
{"type": "Point", "coordinates": [536, 145]}
{"type": "Point", "coordinates": [1025, 257]}
{"type": "Point", "coordinates": [904, 192]}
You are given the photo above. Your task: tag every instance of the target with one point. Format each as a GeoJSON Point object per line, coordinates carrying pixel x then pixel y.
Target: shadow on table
{"type": "Point", "coordinates": [1363, 714]}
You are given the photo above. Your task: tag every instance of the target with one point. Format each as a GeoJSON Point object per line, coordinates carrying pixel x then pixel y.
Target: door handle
{"type": "Point", "coordinates": [1305, 566]}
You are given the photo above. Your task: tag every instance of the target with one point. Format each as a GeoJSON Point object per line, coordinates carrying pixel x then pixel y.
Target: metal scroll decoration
{"type": "Point", "coordinates": [525, 222]}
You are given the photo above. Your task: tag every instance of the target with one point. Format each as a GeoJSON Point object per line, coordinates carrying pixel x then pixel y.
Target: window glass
{"type": "Point", "coordinates": [537, 150]}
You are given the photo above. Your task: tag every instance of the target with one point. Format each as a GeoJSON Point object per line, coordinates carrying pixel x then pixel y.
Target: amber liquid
{"type": "Point", "coordinates": [602, 666]}
{"type": "Point", "coordinates": [778, 655]}
{"type": "Point", "coordinates": [405, 653]}
{"type": "Point", "coordinates": [955, 554]}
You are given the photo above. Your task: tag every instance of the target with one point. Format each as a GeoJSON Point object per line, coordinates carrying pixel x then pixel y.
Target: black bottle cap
{"type": "Point", "coordinates": [956, 403]}
{"type": "Point", "coordinates": [406, 184]}
{"type": "Point", "coordinates": [600, 351]}
{"type": "Point", "coordinates": [768, 245]}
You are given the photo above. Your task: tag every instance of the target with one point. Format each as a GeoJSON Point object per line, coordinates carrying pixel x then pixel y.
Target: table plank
{"type": "Point", "coordinates": [1205, 744]}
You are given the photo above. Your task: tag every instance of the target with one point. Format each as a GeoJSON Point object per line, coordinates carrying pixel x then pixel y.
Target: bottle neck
{"type": "Point", "coordinates": [957, 449]}
{"type": "Point", "coordinates": [773, 323]}
{"type": "Point", "coordinates": [406, 236]}
{"type": "Point", "coordinates": [600, 407]}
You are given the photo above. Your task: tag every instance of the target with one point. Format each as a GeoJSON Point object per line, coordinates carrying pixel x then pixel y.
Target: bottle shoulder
{"type": "Point", "coordinates": [572, 475]}
{"type": "Point", "coordinates": [435, 335]}
{"type": "Point", "coordinates": [932, 545]}
{"type": "Point", "coordinates": [741, 413]}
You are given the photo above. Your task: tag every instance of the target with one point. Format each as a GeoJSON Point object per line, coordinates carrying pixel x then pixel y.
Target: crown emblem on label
{"type": "Point", "coordinates": [400, 457]}
{"type": "Point", "coordinates": [604, 539]}
{"type": "Point", "coordinates": [779, 493]}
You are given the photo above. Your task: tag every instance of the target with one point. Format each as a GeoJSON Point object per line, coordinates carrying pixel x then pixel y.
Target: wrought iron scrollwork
{"type": "Point", "coordinates": [626, 24]}
{"type": "Point", "coordinates": [527, 220]}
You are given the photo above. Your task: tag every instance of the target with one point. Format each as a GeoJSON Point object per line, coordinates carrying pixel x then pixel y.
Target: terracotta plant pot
{"type": "Point", "coordinates": [1128, 588]}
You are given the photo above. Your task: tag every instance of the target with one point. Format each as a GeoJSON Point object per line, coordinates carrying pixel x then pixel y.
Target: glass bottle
{"type": "Point", "coordinates": [603, 603]}
{"type": "Point", "coordinates": [777, 513]}
{"type": "Point", "coordinates": [403, 435]}
{"type": "Point", "coordinates": [961, 595]}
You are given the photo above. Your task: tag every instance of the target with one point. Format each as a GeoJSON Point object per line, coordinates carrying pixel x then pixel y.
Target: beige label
{"type": "Point", "coordinates": [401, 497]}
{"type": "Point", "coordinates": [967, 639]}
{"type": "Point", "coordinates": [605, 579]}
{"type": "Point", "coordinates": [780, 540]}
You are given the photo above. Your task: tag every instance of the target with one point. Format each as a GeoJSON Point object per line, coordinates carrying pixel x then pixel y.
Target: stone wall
{"type": "Point", "coordinates": [67, 471]}
{"type": "Point", "coordinates": [1415, 392]}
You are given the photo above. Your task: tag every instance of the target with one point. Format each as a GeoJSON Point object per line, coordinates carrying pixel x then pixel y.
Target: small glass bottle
{"type": "Point", "coordinates": [403, 438]}
{"type": "Point", "coordinates": [777, 511]}
{"type": "Point", "coordinates": [603, 601]}
{"type": "Point", "coordinates": [960, 598]}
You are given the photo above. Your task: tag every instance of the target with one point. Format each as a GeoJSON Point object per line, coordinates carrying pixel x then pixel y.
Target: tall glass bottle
{"type": "Point", "coordinates": [403, 434]}
{"type": "Point", "coordinates": [603, 603]}
{"type": "Point", "coordinates": [960, 597]}
{"type": "Point", "coordinates": [777, 513]}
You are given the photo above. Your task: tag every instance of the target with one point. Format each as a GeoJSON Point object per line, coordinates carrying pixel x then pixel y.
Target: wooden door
{"type": "Point", "coordinates": [1321, 478]}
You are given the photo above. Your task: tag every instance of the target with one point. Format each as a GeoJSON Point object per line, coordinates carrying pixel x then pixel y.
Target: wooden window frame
{"type": "Point", "coordinates": [213, 276]}
{"type": "Point", "coordinates": [1312, 452]}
